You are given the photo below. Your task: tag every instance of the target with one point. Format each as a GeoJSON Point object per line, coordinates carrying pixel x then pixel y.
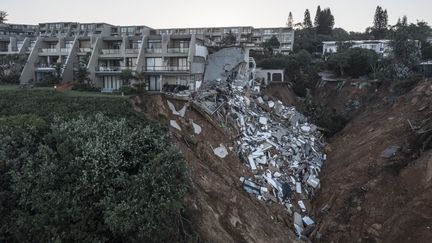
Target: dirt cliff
{"type": "Point", "coordinates": [216, 204]}
{"type": "Point", "coordinates": [371, 198]}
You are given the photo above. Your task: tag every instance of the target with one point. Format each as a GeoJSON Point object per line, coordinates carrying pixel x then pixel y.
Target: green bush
{"type": "Point", "coordinates": [85, 87]}
{"type": "Point", "coordinates": [85, 169]}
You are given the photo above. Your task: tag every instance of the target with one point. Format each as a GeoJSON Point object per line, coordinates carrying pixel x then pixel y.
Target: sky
{"type": "Point", "coordinates": [349, 14]}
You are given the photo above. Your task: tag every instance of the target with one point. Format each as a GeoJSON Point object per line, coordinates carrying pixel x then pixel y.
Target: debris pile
{"type": "Point", "coordinates": [276, 142]}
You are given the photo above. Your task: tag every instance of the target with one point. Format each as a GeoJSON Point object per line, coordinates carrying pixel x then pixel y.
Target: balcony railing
{"type": "Point", "coordinates": [48, 50]}
{"type": "Point", "coordinates": [166, 68]}
{"type": "Point", "coordinates": [112, 68]}
{"type": "Point", "coordinates": [154, 50]}
{"type": "Point", "coordinates": [178, 50]}
{"type": "Point", "coordinates": [132, 51]}
{"type": "Point", "coordinates": [110, 51]}
{"type": "Point", "coordinates": [85, 49]}
{"type": "Point", "coordinates": [65, 50]}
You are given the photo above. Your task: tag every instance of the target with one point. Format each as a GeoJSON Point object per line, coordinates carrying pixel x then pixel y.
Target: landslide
{"type": "Point", "coordinates": [369, 198]}
{"type": "Point", "coordinates": [218, 208]}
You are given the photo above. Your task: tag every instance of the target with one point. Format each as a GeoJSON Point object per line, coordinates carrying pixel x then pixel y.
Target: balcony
{"type": "Point", "coordinates": [154, 50]}
{"type": "Point", "coordinates": [85, 50]}
{"type": "Point", "coordinates": [178, 50]}
{"type": "Point", "coordinates": [166, 69]}
{"type": "Point", "coordinates": [112, 69]}
{"type": "Point", "coordinates": [132, 51]}
{"type": "Point", "coordinates": [48, 50]}
{"type": "Point", "coordinates": [110, 51]}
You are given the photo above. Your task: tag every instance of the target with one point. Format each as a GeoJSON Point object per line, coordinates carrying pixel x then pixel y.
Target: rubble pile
{"type": "Point", "coordinates": [282, 150]}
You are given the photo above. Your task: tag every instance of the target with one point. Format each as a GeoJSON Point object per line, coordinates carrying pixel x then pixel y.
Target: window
{"type": "Point", "coordinates": [154, 63]}
{"type": "Point", "coordinates": [277, 77]}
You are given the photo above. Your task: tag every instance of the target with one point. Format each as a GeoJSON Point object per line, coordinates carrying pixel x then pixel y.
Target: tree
{"type": "Point", "coordinates": [11, 67]}
{"type": "Point", "coordinates": [229, 39]}
{"type": "Point", "coordinates": [3, 15]}
{"type": "Point", "coordinates": [126, 76]}
{"type": "Point", "coordinates": [317, 15]}
{"type": "Point", "coordinates": [290, 20]}
{"type": "Point", "coordinates": [83, 74]}
{"type": "Point", "coordinates": [87, 179]}
{"type": "Point", "coordinates": [325, 22]}
{"type": "Point", "coordinates": [271, 44]}
{"type": "Point", "coordinates": [340, 34]}
{"type": "Point", "coordinates": [405, 48]}
{"type": "Point", "coordinates": [303, 58]}
{"type": "Point", "coordinates": [339, 62]}
{"type": "Point", "coordinates": [307, 22]}
{"type": "Point", "coordinates": [380, 23]}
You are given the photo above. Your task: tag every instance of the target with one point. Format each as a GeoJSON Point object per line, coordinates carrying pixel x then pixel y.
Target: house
{"type": "Point", "coordinates": [270, 75]}
{"type": "Point", "coordinates": [381, 47]}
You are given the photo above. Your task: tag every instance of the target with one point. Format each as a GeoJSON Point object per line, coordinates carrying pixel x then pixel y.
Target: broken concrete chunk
{"type": "Point", "coordinates": [298, 187]}
{"type": "Point", "coordinates": [302, 206]}
{"type": "Point", "coordinates": [175, 125]}
{"type": "Point", "coordinates": [263, 120]}
{"type": "Point", "coordinates": [252, 162]}
{"type": "Point", "coordinates": [308, 221]}
{"type": "Point", "coordinates": [306, 128]}
{"type": "Point", "coordinates": [260, 100]}
{"type": "Point", "coordinates": [221, 151]}
{"type": "Point", "coordinates": [172, 107]}
{"type": "Point", "coordinates": [271, 104]}
{"type": "Point", "coordinates": [298, 224]}
{"type": "Point", "coordinates": [313, 181]}
{"type": "Point", "coordinates": [182, 112]}
{"type": "Point", "coordinates": [390, 152]}
{"type": "Point", "coordinates": [197, 128]}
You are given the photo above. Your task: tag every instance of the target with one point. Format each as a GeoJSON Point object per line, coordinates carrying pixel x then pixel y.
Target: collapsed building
{"type": "Point", "coordinates": [282, 151]}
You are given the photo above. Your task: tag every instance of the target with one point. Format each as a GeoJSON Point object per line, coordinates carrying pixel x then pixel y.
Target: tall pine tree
{"type": "Point", "coordinates": [380, 23]}
{"type": "Point", "coordinates": [325, 22]}
{"type": "Point", "coordinates": [318, 12]}
{"type": "Point", "coordinates": [307, 23]}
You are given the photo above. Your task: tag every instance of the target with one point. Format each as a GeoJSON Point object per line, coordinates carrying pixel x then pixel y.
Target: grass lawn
{"type": "Point", "coordinates": [70, 93]}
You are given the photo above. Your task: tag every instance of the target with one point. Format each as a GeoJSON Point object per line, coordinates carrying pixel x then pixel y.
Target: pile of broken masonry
{"type": "Point", "coordinates": [283, 151]}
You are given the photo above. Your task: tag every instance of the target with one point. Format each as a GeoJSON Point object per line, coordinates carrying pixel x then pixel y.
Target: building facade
{"type": "Point", "coordinates": [381, 47]}
{"type": "Point", "coordinates": [162, 57]}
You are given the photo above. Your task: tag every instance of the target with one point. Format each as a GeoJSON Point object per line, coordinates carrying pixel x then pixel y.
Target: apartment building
{"type": "Point", "coordinates": [245, 36]}
{"type": "Point", "coordinates": [162, 57]}
{"type": "Point", "coordinates": [381, 47]}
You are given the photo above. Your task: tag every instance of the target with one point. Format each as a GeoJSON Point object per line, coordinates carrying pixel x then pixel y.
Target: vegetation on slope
{"type": "Point", "coordinates": [85, 169]}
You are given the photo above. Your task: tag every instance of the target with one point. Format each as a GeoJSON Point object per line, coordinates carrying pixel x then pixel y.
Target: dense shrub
{"type": "Point", "coordinates": [85, 87]}
{"type": "Point", "coordinates": [70, 175]}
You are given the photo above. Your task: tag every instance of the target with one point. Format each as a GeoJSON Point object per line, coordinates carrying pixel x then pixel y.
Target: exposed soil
{"type": "Point", "coordinates": [369, 198]}
{"type": "Point", "coordinates": [374, 199]}
{"type": "Point", "coordinates": [216, 204]}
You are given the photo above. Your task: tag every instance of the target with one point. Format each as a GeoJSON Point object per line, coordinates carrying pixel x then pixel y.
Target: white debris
{"type": "Point", "coordinates": [172, 108]}
{"type": "Point", "coordinates": [263, 120]}
{"type": "Point", "coordinates": [182, 112]}
{"type": "Point", "coordinates": [306, 128]}
{"type": "Point", "coordinates": [197, 128]}
{"type": "Point", "coordinates": [298, 187]}
{"type": "Point", "coordinates": [308, 221]}
{"type": "Point", "coordinates": [302, 206]}
{"type": "Point", "coordinates": [313, 181]}
{"type": "Point", "coordinates": [174, 124]}
{"type": "Point", "coordinates": [221, 151]}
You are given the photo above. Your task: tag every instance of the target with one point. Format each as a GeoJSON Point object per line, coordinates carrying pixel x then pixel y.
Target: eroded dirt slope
{"type": "Point", "coordinates": [219, 209]}
{"type": "Point", "coordinates": [376, 199]}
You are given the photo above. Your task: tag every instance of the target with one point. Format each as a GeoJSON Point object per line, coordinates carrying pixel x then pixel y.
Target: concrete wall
{"type": "Point", "coordinates": [28, 72]}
